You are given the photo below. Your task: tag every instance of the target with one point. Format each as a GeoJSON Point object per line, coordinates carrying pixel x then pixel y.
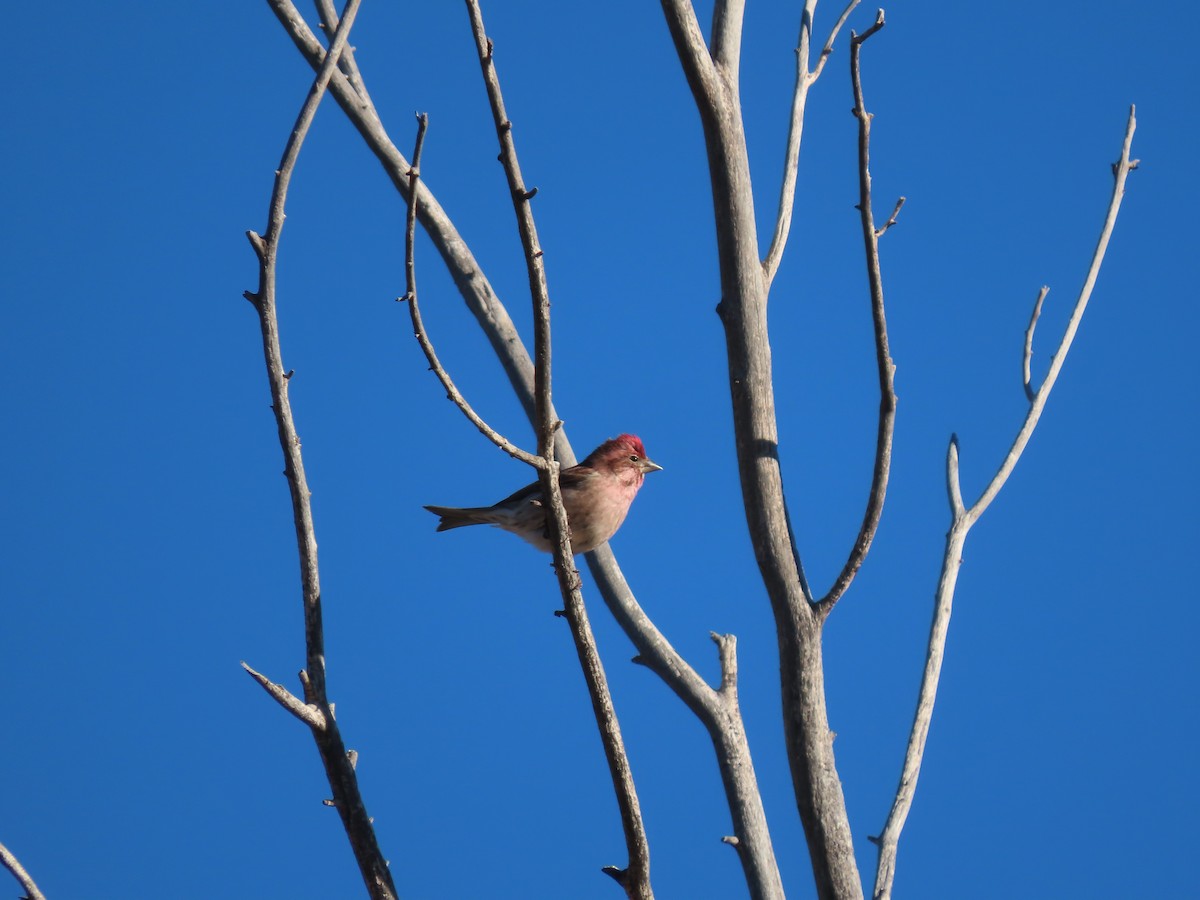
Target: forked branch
{"type": "Point", "coordinates": [805, 79]}
{"type": "Point", "coordinates": [963, 518]}
{"type": "Point", "coordinates": [1121, 169]}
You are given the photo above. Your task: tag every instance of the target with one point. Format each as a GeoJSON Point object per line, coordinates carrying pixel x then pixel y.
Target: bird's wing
{"type": "Point", "coordinates": [531, 493]}
{"type": "Point", "coordinates": [568, 479]}
{"type": "Point", "coordinates": [575, 476]}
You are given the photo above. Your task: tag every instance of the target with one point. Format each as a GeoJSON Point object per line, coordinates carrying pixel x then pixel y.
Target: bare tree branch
{"type": "Point", "coordinates": [267, 249]}
{"type": "Point", "coordinates": [410, 270]}
{"type": "Point", "coordinates": [521, 195]}
{"type": "Point", "coordinates": [887, 841]}
{"type": "Point", "coordinates": [310, 715]}
{"type": "Point", "coordinates": [953, 484]}
{"type": "Point", "coordinates": [742, 309]}
{"type": "Point", "coordinates": [962, 519]}
{"type": "Point", "coordinates": [338, 768]}
{"type": "Point", "coordinates": [13, 865]}
{"type": "Point", "coordinates": [1121, 170]}
{"type": "Point", "coordinates": [693, 51]}
{"type": "Point", "coordinates": [791, 161]}
{"type": "Point", "coordinates": [892, 219]}
{"type": "Point", "coordinates": [635, 878]}
{"type": "Point", "coordinates": [887, 389]}
{"type": "Point", "coordinates": [833, 33]}
{"type": "Point", "coordinates": [1027, 356]}
{"type": "Point", "coordinates": [727, 35]}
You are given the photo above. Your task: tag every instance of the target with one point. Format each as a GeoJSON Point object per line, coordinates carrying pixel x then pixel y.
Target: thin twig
{"type": "Point", "coordinates": [791, 158]}
{"type": "Point", "coordinates": [1027, 356]}
{"type": "Point", "coordinates": [879, 232]}
{"type": "Point", "coordinates": [962, 519]}
{"type": "Point", "coordinates": [886, 427]}
{"type": "Point", "coordinates": [521, 195]}
{"type": "Point", "coordinates": [879, 23]}
{"type": "Point", "coordinates": [833, 33]}
{"type": "Point", "coordinates": [338, 770]}
{"type": "Point", "coordinates": [410, 275]}
{"type": "Point", "coordinates": [13, 865]}
{"type": "Point", "coordinates": [635, 878]}
{"type": "Point", "coordinates": [309, 714]}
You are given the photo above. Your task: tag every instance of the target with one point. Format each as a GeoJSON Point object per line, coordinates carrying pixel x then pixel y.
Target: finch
{"type": "Point", "coordinates": [597, 494]}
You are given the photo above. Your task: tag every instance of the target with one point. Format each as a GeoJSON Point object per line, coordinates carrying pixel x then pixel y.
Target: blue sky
{"type": "Point", "coordinates": [146, 530]}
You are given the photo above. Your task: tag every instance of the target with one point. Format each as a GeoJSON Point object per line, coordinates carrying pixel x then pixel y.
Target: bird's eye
{"type": "Point", "coordinates": [633, 458]}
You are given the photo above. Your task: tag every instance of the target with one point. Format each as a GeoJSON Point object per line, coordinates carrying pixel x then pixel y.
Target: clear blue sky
{"type": "Point", "coordinates": [146, 533]}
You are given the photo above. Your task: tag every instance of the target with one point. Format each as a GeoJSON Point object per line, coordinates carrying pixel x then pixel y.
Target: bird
{"type": "Point", "coordinates": [596, 493]}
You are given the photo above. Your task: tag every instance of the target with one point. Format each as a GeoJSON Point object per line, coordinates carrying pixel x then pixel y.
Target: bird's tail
{"type": "Point", "coordinates": [453, 517]}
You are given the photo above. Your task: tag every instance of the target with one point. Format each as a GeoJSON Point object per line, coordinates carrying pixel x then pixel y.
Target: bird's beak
{"type": "Point", "coordinates": [649, 465]}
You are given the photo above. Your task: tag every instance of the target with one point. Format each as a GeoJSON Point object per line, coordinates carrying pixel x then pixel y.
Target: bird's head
{"type": "Point", "coordinates": [623, 452]}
